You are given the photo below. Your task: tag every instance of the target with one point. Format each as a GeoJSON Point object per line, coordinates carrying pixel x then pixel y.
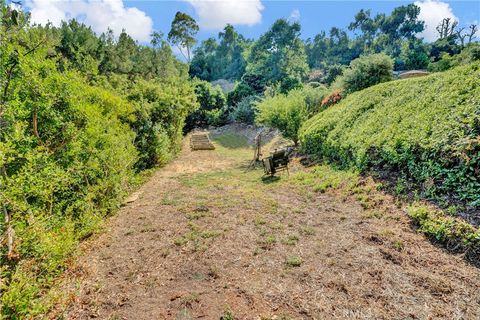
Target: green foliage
{"type": "Point", "coordinates": [366, 71]}
{"type": "Point", "coordinates": [279, 56]}
{"type": "Point", "coordinates": [453, 232]}
{"type": "Point", "coordinates": [251, 84]}
{"type": "Point", "coordinates": [374, 34]}
{"type": "Point", "coordinates": [224, 60]}
{"type": "Point", "coordinates": [69, 160]}
{"type": "Point", "coordinates": [245, 110]}
{"type": "Point", "coordinates": [212, 106]}
{"type": "Point", "coordinates": [470, 54]}
{"type": "Point", "coordinates": [424, 129]}
{"type": "Point", "coordinates": [77, 46]}
{"type": "Point", "coordinates": [313, 98]}
{"type": "Point", "coordinates": [160, 114]}
{"type": "Point", "coordinates": [287, 113]}
{"type": "Point", "coordinates": [442, 46]}
{"type": "Point", "coordinates": [332, 72]}
{"type": "Point", "coordinates": [324, 51]}
{"type": "Point", "coordinates": [182, 32]}
{"type": "Point", "coordinates": [414, 55]}
{"type": "Point", "coordinates": [294, 261]}
{"type": "Point", "coordinates": [443, 64]}
{"type": "Point", "coordinates": [69, 150]}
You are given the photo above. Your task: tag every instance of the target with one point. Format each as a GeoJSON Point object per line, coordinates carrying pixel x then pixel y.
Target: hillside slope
{"type": "Point", "coordinates": [425, 130]}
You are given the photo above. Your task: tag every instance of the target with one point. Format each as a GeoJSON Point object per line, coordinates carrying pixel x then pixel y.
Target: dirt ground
{"type": "Point", "coordinates": [207, 240]}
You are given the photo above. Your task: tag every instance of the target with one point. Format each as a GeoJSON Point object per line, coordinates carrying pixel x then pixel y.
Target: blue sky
{"type": "Point", "coordinates": [314, 16]}
{"type": "Point", "coordinates": [250, 17]}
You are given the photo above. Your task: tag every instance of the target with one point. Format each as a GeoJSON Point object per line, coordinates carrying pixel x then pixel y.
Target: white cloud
{"type": "Point", "coordinates": [216, 14]}
{"type": "Point", "coordinates": [432, 12]}
{"type": "Point", "coordinates": [295, 15]}
{"type": "Point", "coordinates": [99, 14]}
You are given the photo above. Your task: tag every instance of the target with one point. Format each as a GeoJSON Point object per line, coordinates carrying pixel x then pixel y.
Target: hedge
{"type": "Point", "coordinates": [425, 130]}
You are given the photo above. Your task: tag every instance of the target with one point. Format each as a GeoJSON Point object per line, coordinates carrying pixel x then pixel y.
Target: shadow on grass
{"type": "Point", "coordinates": [232, 141]}
{"type": "Point", "coordinates": [270, 179]}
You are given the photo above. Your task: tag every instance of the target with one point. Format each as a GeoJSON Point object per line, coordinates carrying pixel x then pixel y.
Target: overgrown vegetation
{"type": "Point", "coordinates": [212, 107]}
{"type": "Point", "coordinates": [280, 61]}
{"type": "Point", "coordinates": [82, 115]}
{"type": "Point", "coordinates": [78, 120]}
{"type": "Point", "coordinates": [288, 112]}
{"type": "Point", "coordinates": [455, 233]}
{"type": "Point", "coordinates": [423, 130]}
{"type": "Point", "coordinates": [365, 72]}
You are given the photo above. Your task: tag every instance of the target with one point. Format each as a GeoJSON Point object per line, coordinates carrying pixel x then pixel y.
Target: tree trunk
{"type": "Point", "coordinates": [8, 223]}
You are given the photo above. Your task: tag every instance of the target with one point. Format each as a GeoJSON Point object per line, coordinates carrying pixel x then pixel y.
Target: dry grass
{"type": "Point", "coordinates": [208, 240]}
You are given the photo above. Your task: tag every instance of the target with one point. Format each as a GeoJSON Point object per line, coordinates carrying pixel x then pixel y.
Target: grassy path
{"type": "Point", "coordinates": [206, 240]}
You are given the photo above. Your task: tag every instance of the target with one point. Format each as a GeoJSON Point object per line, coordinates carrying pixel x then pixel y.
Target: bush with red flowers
{"type": "Point", "coordinates": [331, 99]}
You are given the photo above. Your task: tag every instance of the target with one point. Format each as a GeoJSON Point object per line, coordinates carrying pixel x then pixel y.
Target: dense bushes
{"type": "Point", "coordinates": [160, 112]}
{"type": "Point", "coordinates": [288, 112]}
{"type": "Point", "coordinates": [244, 112]}
{"type": "Point", "coordinates": [468, 55]}
{"type": "Point", "coordinates": [71, 142]}
{"type": "Point", "coordinates": [212, 110]}
{"type": "Point", "coordinates": [455, 233]}
{"type": "Point", "coordinates": [366, 71]}
{"type": "Point", "coordinates": [425, 129]}
{"type": "Point", "coordinates": [68, 160]}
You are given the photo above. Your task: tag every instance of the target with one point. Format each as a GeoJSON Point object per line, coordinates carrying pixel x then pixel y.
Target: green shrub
{"type": "Point", "coordinates": [414, 55]}
{"type": "Point", "coordinates": [365, 72]}
{"type": "Point", "coordinates": [245, 110]}
{"type": "Point", "coordinates": [332, 72]}
{"type": "Point", "coordinates": [287, 113]}
{"type": "Point", "coordinates": [160, 112]}
{"type": "Point", "coordinates": [443, 64]}
{"type": "Point", "coordinates": [453, 232]}
{"type": "Point", "coordinates": [68, 154]}
{"type": "Point", "coordinates": [469, 54]}
{"type": "Point", "coordinates": [211, 109]}
{"type": "Point", "coordinates": [424, 129]}
{"type": "Point", "coordinates": [251, 84]}
{"type": "Point", "coordinates": [61, 178]}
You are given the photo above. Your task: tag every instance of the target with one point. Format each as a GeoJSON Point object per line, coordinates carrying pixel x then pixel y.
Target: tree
{"type": "Point", "coordinates": [316, 50]}
{"type": "Point", "coordinates": [473, 29]}
{"type": "Point", "coordinates": [414, 55]}
{"type": "Point", "coordinates": [446, 28]}
{"type": "Point", "coordinates": [230, 54]}
{"type": "Point", "coordinates": [220, 60]}
{"type": "Point", "coordinates": [367, 25]}
{"type": "Point", "coordinates": [403, 23]}
{"type": "Point", "coordinates": [125, 49]}
{"type": "Point", "coordinates": [79, 45]}
{"type": "Point", "coordinates": [367, 71]}
{"type": "Point", "coordinates": [182, 33]}
{"type": "Point", "coordinates": [463, 34]}
{"type": "Point", "coordinates": [279, 56]}
{"type": "Point", "coordinates": [212, 106]}
{"type": "Point", "coordinates": [251, 84]}
{"type": "Point", "coordinates": [244, 112]}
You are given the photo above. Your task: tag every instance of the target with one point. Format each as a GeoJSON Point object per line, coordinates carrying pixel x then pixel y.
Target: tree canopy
{"type": "Point", "coordinates": [182, 33]}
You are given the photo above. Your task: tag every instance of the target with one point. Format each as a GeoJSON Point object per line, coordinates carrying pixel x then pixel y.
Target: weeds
{"type": "Point", "coordinates": [455, 233]}
{"type": "Point", "coordinates": [227, 314]}
{"type": "Point", "coordinates": [294, 261]}
{"type": "Point", "coordinates": [291, 240]}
